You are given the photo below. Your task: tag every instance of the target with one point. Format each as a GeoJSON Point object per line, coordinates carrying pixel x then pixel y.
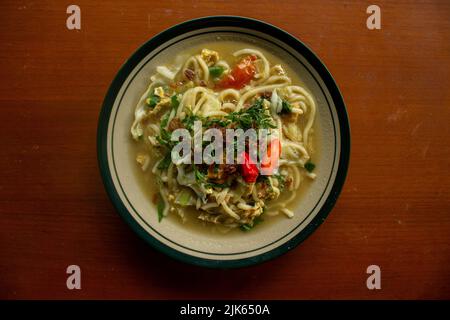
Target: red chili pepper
{"type": "Point", "coordinates": [242, 73]}
{"type": "Point", "coordinates": [249, 169]}
{"type": "Point", "coordinates": [273, 147]}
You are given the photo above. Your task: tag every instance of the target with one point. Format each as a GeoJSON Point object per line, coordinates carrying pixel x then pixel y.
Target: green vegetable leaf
{"type": "Point", "coordinates": [174, 102]}
{"type": "Point", "coordinates": [152, 100]}
{"type": "Point", "coordinates": [253, 117]}
{"type": "Point", "coordinates": [165, 162]}
{"type": "Point", "coordinates": [249, 226]}
{"type": "Point", "coordinates": [216, 71]}
{"type": "Point", "coordinates": [189, 120]}
{"type": "Point", "coordinates": [215, 121]}
{"type": "Point", "coordinates": [217, 185]}
{"type": "Point", "coordinates": [184, 198]}
{"type": "Point", "coordinates": [164, 120]}
{"type": "Point", "coordinates": [285, 107]}
{"type": "Point", "coordinates": [281, 181]}
{"type": "Point", "coordinates": [165, 139]}
{"type": "Point", "coordinates": [309, 166]}
{"type": "Point", "coordinates": [160, 207]}
{"type": "Point", "coordinates": [245, 227]}
{"type": "Point", "coordinates": [199, 176]}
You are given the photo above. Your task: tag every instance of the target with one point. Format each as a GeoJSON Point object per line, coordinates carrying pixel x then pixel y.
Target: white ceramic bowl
{"type": "Point", "coordinates": [203, 248]}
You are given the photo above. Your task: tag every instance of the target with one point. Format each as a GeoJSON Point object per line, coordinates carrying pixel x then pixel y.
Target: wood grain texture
{"type": "Point", "coordinates": [394, 210]}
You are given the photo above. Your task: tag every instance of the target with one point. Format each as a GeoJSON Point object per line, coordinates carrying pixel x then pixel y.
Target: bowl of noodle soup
{"type": "Point", "coordinates": [263, 115]}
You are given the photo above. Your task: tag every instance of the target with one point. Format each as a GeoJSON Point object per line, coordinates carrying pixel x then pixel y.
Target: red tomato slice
{"type": "Point", "coordinates": [249, 169]}
{"type": "Point", "coordinates": [241, 75]}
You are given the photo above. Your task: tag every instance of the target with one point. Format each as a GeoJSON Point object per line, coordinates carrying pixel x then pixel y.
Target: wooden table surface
{"type": "Point", "coordinates": [394, 210]}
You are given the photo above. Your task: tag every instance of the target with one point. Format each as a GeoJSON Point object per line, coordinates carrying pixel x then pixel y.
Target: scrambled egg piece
{"type": "Point", "coordinates": [210, 56]}
{"type": "Point", "coordinates": [162, 101]}
{"type": "Point", "coordinates": [159, 91]}
{"type": "Point", "coordinates": [143, 160]}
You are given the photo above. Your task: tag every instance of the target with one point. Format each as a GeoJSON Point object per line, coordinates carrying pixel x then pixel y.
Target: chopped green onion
{"type": "Point", "coordinates": [249, 226]}
{"type": "Point", "coordinates": [174, 103]}
{"type": "Point", "coordinates": [207, 123]}
{"type": "Point", "coordinates": [165, 139]}
{"type": "Point", "coordinates": [246, 227]}
{"type": "Point", "coordinates": [216, 71]}
{"type": "Point", "coordinates": [217, 185]}
{"type": "Point", "coordinates": [165, 162]}
{"type": "Point", "coordinates": [199, 176]}
{"type": "Point", "coordinates": [164, 120]}
{"type": "Point", "coordinates": [152, 101]}
{"type": "Point", "coordinates": [281, 181]}
{"type": "Point", "coordinates": [254, 116]}
{"type": "Point", "coordinates": [285, 107]}
{"type": "Point", "coordinates": [160, 207]}
{"type": "Point", "coordinates": [189, 120]}
{"type": "Point", "coordinates": [309, 166]}
{"type": "Point", "coordinates": [184, 198]}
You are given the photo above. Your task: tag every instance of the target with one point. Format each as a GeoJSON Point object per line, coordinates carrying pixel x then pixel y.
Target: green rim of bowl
{"type": "Point", "coordinates": [224, 21]}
